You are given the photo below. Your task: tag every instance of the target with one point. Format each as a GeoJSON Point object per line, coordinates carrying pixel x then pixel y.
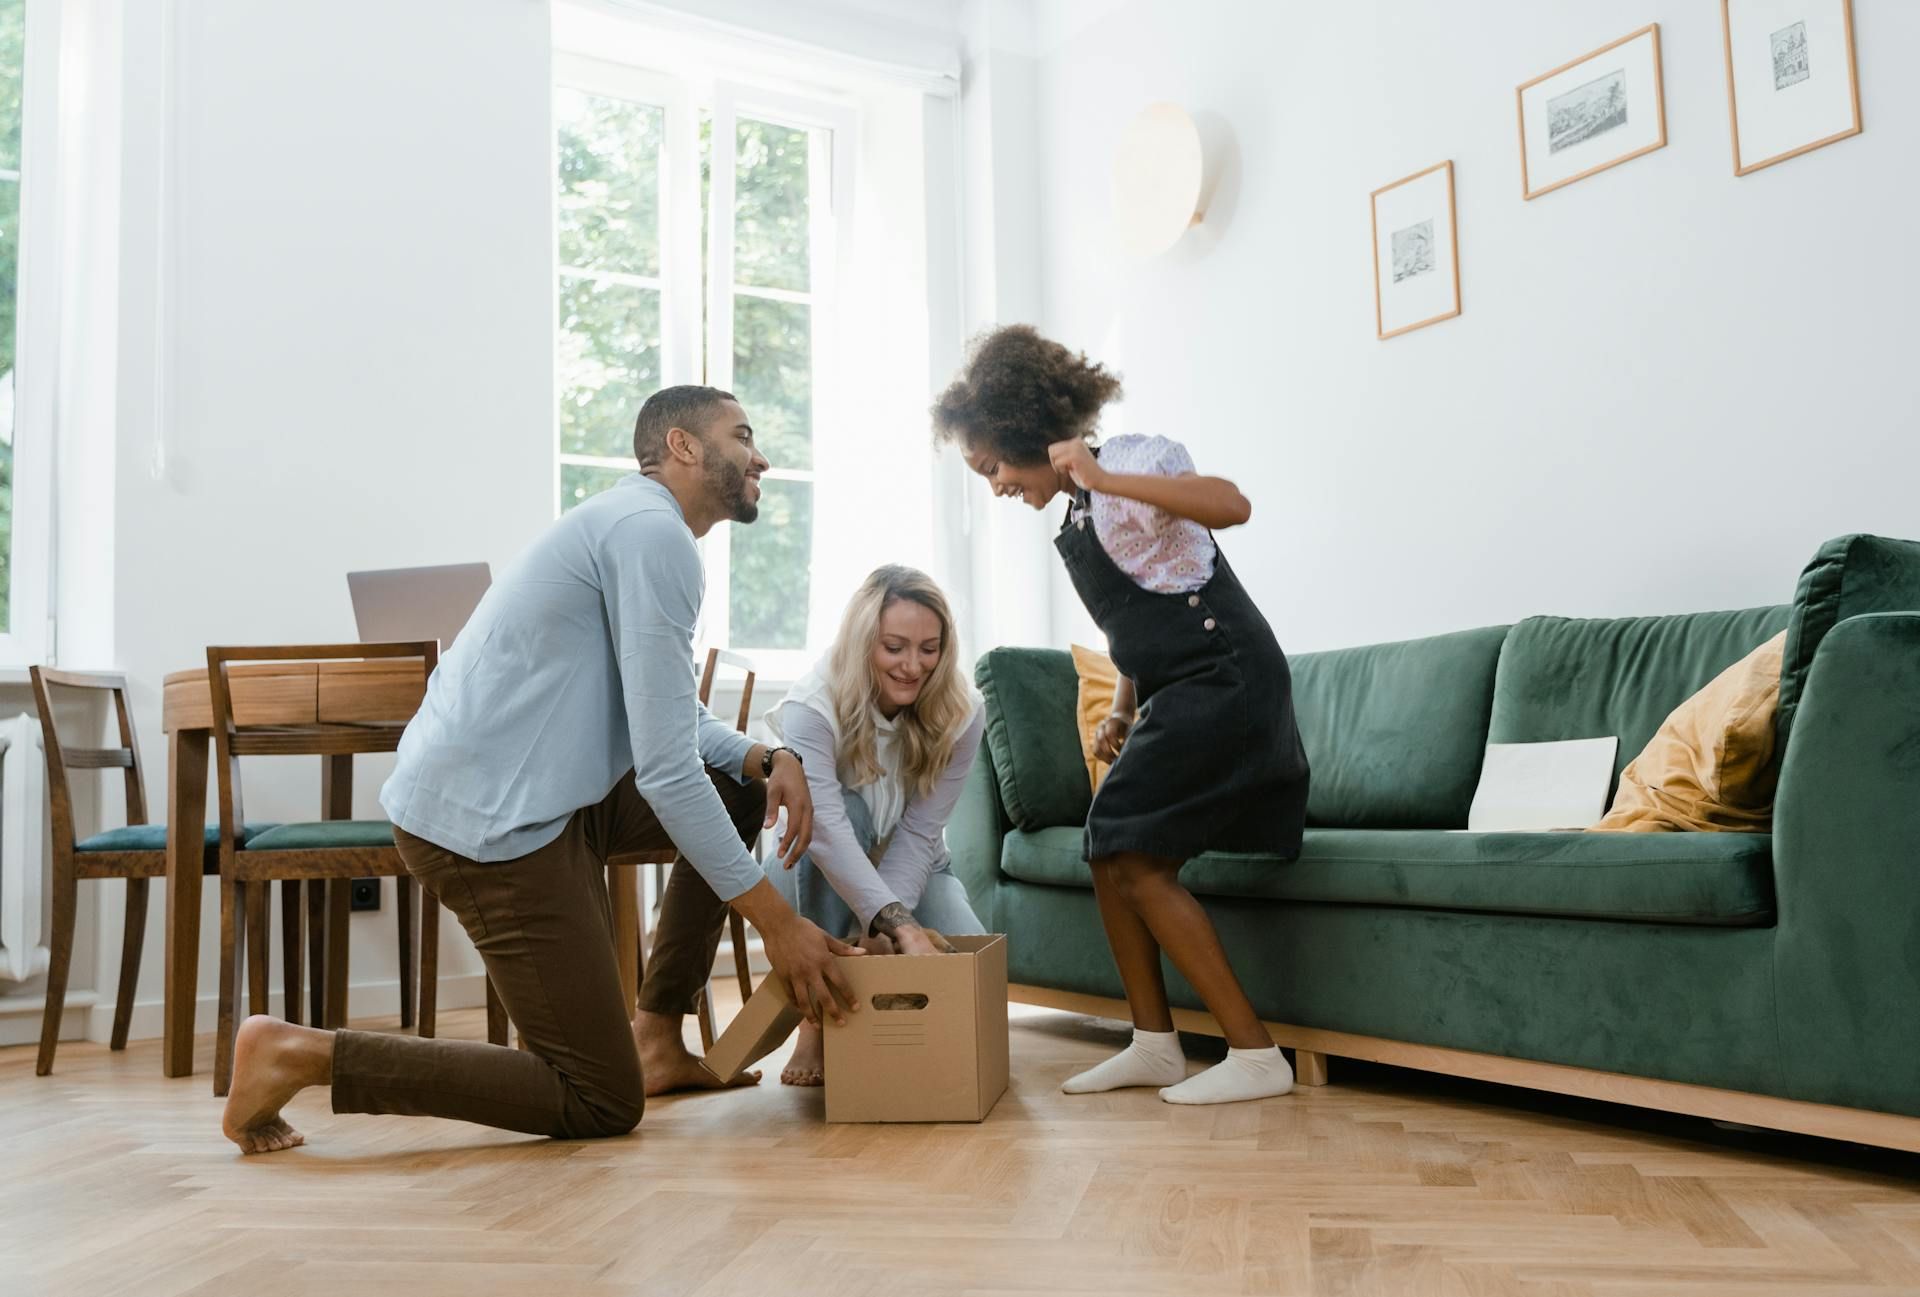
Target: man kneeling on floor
{"type": "Point", "coordinates": [575, 664]}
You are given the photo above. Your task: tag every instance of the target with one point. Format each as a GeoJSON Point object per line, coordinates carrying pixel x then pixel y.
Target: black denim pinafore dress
{"type": "Point", "coordinates": [1214, 761]}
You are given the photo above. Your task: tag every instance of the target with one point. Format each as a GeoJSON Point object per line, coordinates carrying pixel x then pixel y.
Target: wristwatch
{"type": "Point", "coordinates": [766, 760]}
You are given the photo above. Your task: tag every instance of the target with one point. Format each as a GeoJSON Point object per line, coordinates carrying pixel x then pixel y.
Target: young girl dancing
{"type": "Point", "coordinates": [1206, 753]}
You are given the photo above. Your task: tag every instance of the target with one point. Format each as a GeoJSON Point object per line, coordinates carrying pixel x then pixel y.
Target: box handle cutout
{"type": "Point", "coordinates": [899, 1000]}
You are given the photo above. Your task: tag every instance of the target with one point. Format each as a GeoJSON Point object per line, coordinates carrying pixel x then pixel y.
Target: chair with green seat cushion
{"type": "Point", "coordinates": [153, 837]}
{"type": "Point", "coordinates": [136, 852]}
{"type": "Point", "coordinates": [323, 835]}
{"type": "Point", "coordinates": [335, 849]}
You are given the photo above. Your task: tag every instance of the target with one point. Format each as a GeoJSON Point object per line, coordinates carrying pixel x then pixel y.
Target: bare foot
{"type": "Point", "coordinates": [272, 1062]}
{"type": "Point", "coordinates": [667, 1065]}
{"type": "Point", "coordinates": [808, 1066]}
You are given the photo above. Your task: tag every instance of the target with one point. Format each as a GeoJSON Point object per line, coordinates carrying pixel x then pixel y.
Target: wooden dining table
{"type": "Point", "coordinates": [372, 692]}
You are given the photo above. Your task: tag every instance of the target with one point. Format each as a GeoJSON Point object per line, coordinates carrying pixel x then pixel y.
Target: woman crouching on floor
{"type": "Point", "coordinates": [887, 728]}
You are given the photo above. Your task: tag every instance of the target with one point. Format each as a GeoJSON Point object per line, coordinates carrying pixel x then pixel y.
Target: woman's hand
{"type": "Point", "coordinates": [1073, 458]}
{"type": "Point", "coordinates": [894, 932]}
{"type": "Point", "coordinates": [912, 939]}
{"type": "Point", "coordinates": [1111, 736]}
{"type": "Point", "coordinates": [907, 939]}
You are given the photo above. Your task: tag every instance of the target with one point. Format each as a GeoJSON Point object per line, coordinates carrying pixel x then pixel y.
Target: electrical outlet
{"type": "Point", "coordinates": [365, 893]}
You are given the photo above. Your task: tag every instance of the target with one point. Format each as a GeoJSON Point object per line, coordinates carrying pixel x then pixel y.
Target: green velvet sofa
{"type": "Point", "coordinates": [1767, 979]}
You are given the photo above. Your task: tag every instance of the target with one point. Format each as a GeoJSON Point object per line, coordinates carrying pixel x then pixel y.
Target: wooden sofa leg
{"type": "Point", "coordinates": [1309, 1068]}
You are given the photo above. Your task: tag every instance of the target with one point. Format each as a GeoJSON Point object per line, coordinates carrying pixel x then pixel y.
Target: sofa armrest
{"type": "Point", "coordinates": [975, 834]}
{"type": "Point", "coordinates": [1847, 872]}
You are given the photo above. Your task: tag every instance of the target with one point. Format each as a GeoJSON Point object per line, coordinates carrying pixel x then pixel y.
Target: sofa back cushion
{"type": "Point", "coordinates": [1849, 575]}
{"type": "Point", "coordinates": [1568, 678]}
{"type": "Point", "coordinates": [1395, 732]}
{"type": "Point", "coordinates": [1034, 737]}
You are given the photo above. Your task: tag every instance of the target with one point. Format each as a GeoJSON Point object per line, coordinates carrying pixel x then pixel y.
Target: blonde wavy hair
{"type": "Point", "coordinates": [926, 731]}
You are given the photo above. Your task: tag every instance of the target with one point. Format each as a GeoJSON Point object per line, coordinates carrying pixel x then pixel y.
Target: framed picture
{"type": "Point", "coordinates": [1416, 252]}
{"type": "Point", "coordinates": [1596, 112]}
{"type": "Point", "coordinates": [1791, 81]}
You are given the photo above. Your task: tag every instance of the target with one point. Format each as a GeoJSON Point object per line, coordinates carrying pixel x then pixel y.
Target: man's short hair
{"type": "Point", "coordinates": [688, 406]}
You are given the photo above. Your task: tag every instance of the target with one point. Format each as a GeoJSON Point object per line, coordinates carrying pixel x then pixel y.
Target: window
{"type": "Point", "coordinates": [13, 51]}
{"type": "Point", "coordinates": [29, 286]}
{"type": "Point", "coordinates": [610, 283]}
{"type": "Point", "coordinates": [696, 244]}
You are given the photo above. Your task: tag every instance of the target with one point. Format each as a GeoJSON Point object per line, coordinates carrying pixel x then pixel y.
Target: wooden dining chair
{"type": "Point", "coordinates": [136, 852]}
{"type": "Point", "coordinates": [332, 849]}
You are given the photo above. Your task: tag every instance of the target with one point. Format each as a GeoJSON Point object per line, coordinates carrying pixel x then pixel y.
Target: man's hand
{"type": "Point", "coordinates": [787, 787]}
{"type": "Point", "coordinates": [1075, 459]}
{"type": "Point", "coordinates": [1110, 736]}
{"type": "Point", "coordinates": [803, 955]}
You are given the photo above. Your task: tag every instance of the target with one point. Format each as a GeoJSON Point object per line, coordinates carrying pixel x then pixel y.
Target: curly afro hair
{"type": "Point", "coordinates": [1020, 393]}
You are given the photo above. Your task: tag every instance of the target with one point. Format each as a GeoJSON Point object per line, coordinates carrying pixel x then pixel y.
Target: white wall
{"type": "Point", "coordinates": [358, 321]}
{"type": "Point", "coordinates": [1667, 387]}
{"type": "Point", "coordinates": [994, 557]}
{"type": "Point", "coordinates": [334, 331]}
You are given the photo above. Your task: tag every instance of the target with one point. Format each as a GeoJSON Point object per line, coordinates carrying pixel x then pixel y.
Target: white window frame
{"type": "Point", "coordinates": [36, 346]}
{"type": "Point", "coordinates": [829, 203]}
{"type": "Point", "coordinates": [685, 326]}
{"type": "Point", "coordinates": [678, 282]}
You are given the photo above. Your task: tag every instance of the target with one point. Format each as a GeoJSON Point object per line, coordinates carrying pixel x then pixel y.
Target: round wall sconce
{"type": "Point", "coordinates": [1156, 179]}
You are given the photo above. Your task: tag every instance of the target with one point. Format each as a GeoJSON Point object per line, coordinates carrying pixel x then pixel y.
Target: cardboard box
{"type": "Point", "coordinates": [929, 1042]}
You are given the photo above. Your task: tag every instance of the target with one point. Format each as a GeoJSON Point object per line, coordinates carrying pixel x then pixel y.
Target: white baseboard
{"type": "Point", "coordinates": [90, 1017]}
{"type": "Point", "coordinates": [87, 1018]}
{"type": "Point", "coordinates": [20, 1017]}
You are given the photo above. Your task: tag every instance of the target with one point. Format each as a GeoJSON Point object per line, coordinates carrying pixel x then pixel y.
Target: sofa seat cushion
{"type": "Point", "coordinates": [153, 837]}
{"type": "Point", "coordinates": [1712, 879]}
{"type": "Point", "coordinates": [322, 835]}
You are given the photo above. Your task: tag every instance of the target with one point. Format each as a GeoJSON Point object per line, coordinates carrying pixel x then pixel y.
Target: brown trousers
{"type": "Point", "coordinates": [544, 927]}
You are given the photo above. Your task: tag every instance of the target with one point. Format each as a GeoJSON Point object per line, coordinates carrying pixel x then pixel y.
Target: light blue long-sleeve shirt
{"type": "Point", "coordinates": [577, 665]}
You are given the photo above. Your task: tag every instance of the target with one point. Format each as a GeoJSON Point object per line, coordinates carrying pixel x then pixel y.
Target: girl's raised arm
{"type": "Point", "coordinates": [1213, 502]}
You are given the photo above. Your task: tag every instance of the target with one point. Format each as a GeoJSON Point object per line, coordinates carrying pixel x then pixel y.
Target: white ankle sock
{"type": "Point", "coordinates": [1154, 1058]}
{"type": "Point", "coordinates": [1242, 1074]}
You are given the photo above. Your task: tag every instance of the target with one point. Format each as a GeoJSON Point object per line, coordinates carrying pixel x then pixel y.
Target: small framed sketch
{"type": "Point", "coordinates": [1791, 82]}
{"type": "Point", "coordinates": [1596, 112]}
{"type": "Point", "coordinates": [1416, 254]}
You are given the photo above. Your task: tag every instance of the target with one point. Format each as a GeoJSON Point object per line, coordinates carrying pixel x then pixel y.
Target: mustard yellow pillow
{"type": "Point", "coordinates": [1710, 767]}
{"type": "Point", "coordinates": [1093, 703]}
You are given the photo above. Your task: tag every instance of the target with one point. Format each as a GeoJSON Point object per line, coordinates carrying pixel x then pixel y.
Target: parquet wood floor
{"type": "Point", "coordinates": [115, 1180]}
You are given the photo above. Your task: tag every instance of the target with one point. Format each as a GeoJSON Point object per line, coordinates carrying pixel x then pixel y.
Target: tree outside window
{"type": "Point", "coordinates": [611, 298]}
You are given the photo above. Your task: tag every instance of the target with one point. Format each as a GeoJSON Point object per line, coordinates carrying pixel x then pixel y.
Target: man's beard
{"type": "Point", "coordinates": [728, 483]}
